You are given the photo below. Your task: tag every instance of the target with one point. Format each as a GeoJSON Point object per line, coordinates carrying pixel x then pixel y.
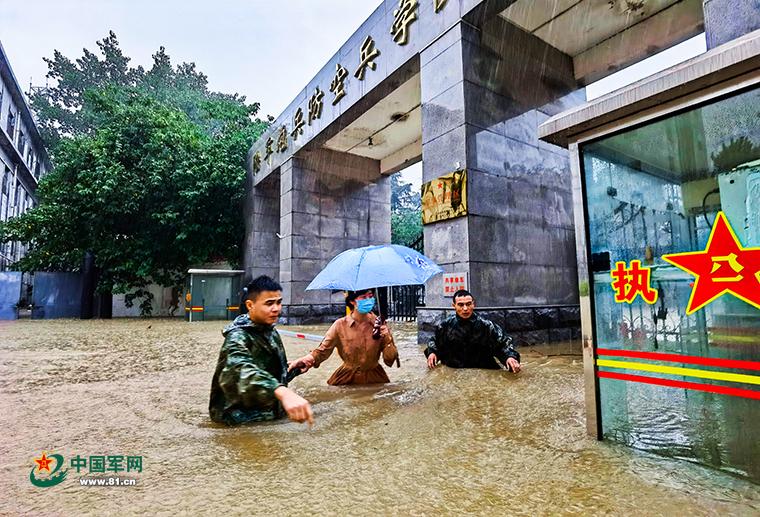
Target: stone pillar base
{"type": "Point", "coordinates": [311, 313]}
{"type": "Point", "coordinates": [556, 325]}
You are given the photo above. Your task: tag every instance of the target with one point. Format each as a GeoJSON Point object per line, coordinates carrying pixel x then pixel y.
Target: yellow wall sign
{"type": "Point", "coordinates": [444, 197]}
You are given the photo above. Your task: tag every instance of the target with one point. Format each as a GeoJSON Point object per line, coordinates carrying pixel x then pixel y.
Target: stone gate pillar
{"type": "Point", "coordinates": [484, 92]}
{"type": "Point", "coordinates": [262, 222]}
{"type": "Point", "coordinates": [329, 202]}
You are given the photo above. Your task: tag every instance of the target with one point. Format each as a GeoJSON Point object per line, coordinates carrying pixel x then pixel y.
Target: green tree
{"type": "Point", "coordinates": [149, 172]}
{"type": "Point", "coordinates": [406, 213]}
{"type": "Point", "coordinates": [64, 109]}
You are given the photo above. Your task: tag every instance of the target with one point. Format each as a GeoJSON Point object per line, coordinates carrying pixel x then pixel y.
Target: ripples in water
{"type": "Point", "coordinates": [442, 442]}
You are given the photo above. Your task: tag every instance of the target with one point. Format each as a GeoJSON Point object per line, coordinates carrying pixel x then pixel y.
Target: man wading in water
{"type": "Point", "coordinates": [466, 340]}
{"type": "Point", "coordinates": [250, 381]}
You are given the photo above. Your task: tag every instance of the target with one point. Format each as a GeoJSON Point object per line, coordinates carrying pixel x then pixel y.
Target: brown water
{"type": "Point", "coordinates": [430, 443]}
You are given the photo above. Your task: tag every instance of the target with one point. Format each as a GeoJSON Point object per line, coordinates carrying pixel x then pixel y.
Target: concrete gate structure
{"type": "Point", "coordinates": [455, 84]}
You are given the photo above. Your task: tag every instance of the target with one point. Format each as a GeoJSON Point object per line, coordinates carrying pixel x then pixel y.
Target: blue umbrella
{"type": "Point", "coordinates": [375, 266]}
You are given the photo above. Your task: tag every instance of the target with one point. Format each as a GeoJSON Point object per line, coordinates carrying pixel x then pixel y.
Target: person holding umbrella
{"type": "Point", "coordinates": [361, 337]}
{"type": "Point", "coordinates": [359, 344]}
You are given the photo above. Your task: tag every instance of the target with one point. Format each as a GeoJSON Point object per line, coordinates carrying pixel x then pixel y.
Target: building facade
{"type": "Point", "coordinates": [23, 158]}
{"type": "Point", "coordinates": [462, 86]}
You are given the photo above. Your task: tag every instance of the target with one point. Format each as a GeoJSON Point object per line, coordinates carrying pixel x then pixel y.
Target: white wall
{"type": "Point", "coordinates": [161, 304]}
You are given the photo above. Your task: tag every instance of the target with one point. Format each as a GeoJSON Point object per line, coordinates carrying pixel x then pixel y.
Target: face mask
{"type": "Point", "coordinates": [365, 306]}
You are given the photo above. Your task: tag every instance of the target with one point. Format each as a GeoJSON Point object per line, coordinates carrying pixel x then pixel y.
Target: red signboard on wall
{"type": "Point", "coordinates": [453, 282]}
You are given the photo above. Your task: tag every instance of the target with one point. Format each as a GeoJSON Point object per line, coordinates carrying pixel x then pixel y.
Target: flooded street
{"type": "Point", "coordinates": [444, 442]}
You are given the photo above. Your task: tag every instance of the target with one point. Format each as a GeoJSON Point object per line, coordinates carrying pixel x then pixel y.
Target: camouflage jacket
{"type": "Point", "coordinates": [471, 343]}
{"type": "Point", "coordinates": [251, 366]}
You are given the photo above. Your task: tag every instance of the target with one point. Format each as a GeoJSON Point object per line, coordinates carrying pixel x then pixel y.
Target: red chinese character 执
{"type": "Point", "coordinates": [628, 282]}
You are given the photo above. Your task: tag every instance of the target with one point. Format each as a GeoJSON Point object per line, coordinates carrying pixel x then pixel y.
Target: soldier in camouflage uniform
{"type": "Point", "coordinates": [251, 377]}
{"type": "Point", "coordinates": [466, 340]}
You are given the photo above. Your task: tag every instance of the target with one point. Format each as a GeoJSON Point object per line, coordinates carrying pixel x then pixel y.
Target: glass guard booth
{"type": "Point", "coordinates": [674, 370]}
{"type": "Point", "coordinates": [213, 294]}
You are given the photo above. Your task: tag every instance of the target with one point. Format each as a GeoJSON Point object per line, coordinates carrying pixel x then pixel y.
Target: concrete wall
{"type": "Point", "coordinates": [262, 223]}
{"type": "Point", "coordinates": [329, 202]}
{"type": "Point", "coordinates": [726, 20]}
{"type": "Point", "coordinates": [162, 299]}
{"type": "Point", "coordinates": [59, 295]}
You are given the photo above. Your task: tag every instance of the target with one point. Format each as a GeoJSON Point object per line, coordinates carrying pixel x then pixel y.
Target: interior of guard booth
{"type": "Point", "coordinates": [657, 189]}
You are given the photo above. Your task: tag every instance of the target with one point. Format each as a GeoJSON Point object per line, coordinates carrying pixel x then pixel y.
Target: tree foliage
{"type": "Point", "coordinates": [149, 171]}
{"type": "Point", "coordinates": [63, 109]}
{"type": "Point", "coordinates": [406, 213]}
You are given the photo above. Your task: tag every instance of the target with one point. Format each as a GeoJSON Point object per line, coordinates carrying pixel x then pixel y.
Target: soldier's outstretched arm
{"type": "Point", "coordinates": [432, 351]}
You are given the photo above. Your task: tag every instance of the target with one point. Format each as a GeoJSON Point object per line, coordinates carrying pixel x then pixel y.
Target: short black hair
{"type": "Point", "coordinates": [351, 296]}
{"type": "Point", "coordinates": [461, 292]}
{"type": "Point", "coordinates": [257, 286]}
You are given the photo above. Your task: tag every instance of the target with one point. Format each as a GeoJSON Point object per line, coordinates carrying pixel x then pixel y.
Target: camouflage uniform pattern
{"type": "Point", "coordinates": [251, 365]}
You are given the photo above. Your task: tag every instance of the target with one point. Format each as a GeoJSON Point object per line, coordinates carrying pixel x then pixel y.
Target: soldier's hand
{"type": "Point", "coordinates": [432, 361]}
{"type": "Point", "coordinates": [384, 331]}
{"type": "Point", "coordinates": [513, 364]}
{"type": "Point", "coordinates": [297, 407]}
{"type": "Point", "coordinates": [302, 363]}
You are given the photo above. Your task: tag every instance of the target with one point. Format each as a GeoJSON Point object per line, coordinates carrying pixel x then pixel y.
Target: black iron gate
{"type": "Point", "coordinates": [403, 300]}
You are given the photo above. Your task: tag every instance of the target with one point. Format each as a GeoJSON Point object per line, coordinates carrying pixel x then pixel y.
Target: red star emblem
{"type": "Point", "coordinates": [44, 463]}
{"type": "Point", "coordinates": [723, 267]}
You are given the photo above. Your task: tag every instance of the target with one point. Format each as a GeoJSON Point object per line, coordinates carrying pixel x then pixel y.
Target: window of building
{"type": "Point", "coordinates": [18, 200]}
{"type": "Point", "coordinates": [21, 144]}
{"type": "Point", "coordinates": [11, 123]}
{"type": "Point", "coordinates": [5, 174]}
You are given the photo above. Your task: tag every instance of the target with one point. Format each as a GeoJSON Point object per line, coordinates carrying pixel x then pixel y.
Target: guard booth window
{"type": "Point", "coordinates": [678, 384]}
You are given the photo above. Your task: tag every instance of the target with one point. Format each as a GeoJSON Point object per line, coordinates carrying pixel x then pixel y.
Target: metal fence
{"type": "Point", "coordinates": [10, 294]}
{"type": "Point", "coordinates": [403, 301]}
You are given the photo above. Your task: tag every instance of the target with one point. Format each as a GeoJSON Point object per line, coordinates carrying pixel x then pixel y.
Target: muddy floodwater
{"type": "Point", "coordinates": [445, 442]}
